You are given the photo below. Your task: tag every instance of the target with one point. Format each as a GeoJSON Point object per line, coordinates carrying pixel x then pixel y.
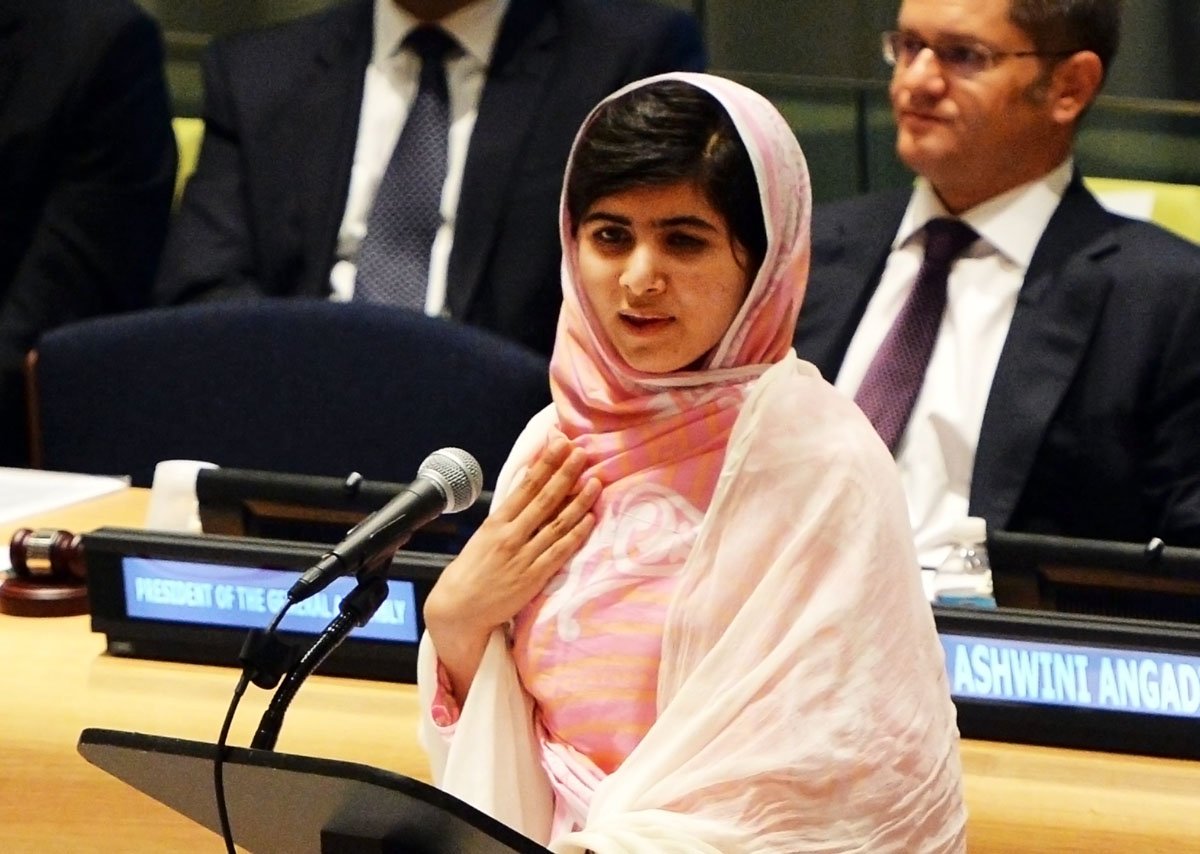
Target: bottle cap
{"type": "Point", "coordinates": [969, 529]}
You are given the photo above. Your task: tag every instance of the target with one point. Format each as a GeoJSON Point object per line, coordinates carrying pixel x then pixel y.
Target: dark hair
{"type": "Point", "coordinates": [664, 133]}
{"type": "Point", "coordinates": [1057, 25]}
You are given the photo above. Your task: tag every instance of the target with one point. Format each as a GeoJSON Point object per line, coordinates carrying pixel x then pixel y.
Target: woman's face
{"type": "Point", "coordinates": [663, 273]}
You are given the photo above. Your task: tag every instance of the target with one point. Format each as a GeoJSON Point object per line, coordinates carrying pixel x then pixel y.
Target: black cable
{"type": "Point", "coordinates": [254, 653]}
{"type": "Point", "coordinates": [219, 763]}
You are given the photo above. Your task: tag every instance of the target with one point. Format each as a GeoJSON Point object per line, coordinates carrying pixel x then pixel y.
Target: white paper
{"type": "Point", "coordinates": [28, 492]}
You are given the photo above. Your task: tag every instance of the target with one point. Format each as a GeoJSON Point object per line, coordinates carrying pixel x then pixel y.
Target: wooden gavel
{"type": "Point", "coordinates": [49, 574]}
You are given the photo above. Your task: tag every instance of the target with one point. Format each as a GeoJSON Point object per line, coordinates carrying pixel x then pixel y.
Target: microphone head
{"type": "Point", "coordinates": [457, 473]}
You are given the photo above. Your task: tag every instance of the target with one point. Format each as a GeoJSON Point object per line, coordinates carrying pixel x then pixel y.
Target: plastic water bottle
{"type": "Point", "coordinates": [964, 578]}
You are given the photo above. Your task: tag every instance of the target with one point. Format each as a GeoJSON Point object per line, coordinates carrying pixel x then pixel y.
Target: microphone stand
{"type": "Point", "coordinates": [355, 610]}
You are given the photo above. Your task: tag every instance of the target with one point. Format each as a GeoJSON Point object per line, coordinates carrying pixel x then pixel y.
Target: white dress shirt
{"type": "Point", "coordinates": [936, 454]}
{"type": "Point", "coordinates": [389, 89]}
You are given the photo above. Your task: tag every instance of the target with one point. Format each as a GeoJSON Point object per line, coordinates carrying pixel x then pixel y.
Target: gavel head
{"type": "Point", "coordinates": [47, 553]}
{"type": "Point", "coordinates": [49, 571]}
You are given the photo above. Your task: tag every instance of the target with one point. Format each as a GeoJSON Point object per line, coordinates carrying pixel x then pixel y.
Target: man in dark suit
{"type": "Point", "coordinates": [1062, 392]}
{"type": "Point", "coordinates": [277, 205]}
{"type": "Point", "coordinates": [87, 168]}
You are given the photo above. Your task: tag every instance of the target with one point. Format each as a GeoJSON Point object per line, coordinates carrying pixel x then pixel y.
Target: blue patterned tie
{"type": "Point", "coordinates": [393, 261]}
{"type": "Point", "coordinates": [894, 379]}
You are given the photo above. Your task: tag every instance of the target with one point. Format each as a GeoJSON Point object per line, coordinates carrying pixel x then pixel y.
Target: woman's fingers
{"type": "Point", "coordinates": [532, 555]}
{"type": "Point", "coordinates": [520, 546]}
{"type": "Point", "coordinates": [564, 524]}
{"type": "Point", "coordinates": [561, 549]}
{"type": "Point", "coordinates": [547, 483]}
{"type": "Point", "coordinates": [535, 477]}
{"type": "Point", "coordinates": [543, 507]}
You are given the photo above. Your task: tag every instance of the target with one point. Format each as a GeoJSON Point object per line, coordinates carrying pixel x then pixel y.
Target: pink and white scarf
{"type": "Point", "coordinates": [673, 428]}
{"type": "Point", "coordinates": [802, 696]}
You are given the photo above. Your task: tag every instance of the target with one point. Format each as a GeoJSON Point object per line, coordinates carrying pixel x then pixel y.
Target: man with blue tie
{"type": "Point", "coordinates": [307, 183]}
{"type": "Point", "coordinates": [1049, 379]}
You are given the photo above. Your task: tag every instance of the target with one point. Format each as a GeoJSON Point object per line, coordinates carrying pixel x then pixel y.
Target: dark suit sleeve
{"type": "Point", "coordinates": [97, 243]}
{"type": "Point", "coordinates": [209, 253]}
{"type": "Point", "coordinates": [1172, 467]}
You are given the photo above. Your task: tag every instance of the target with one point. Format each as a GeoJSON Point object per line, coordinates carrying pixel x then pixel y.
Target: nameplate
{"type": "Point", "coordinates": [1067, 680]}
{"type": "Point", "coordinates": [194, 597]}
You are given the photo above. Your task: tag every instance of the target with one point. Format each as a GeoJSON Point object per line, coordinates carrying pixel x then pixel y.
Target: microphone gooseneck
{"type": "Point", "coordinates": [353, 611]}
{"type": "Point", "coordinates": [448, 481]}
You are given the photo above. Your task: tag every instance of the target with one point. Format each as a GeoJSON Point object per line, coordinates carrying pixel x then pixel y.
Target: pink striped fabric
{"type": "Point", "coordinates": [753, 530]}
{"type": "Point", "coordinates": [587, 648]}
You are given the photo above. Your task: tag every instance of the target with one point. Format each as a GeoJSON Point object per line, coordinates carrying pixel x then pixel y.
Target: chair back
{"type": "Point", "coordinates": [302, 386]}
{"type": "Point", "coordinates": [189, 132]}
{"type": "Point", "coordinates": [1176, 207]}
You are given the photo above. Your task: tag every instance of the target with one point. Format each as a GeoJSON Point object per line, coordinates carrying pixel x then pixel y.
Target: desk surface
{"type": "Point", "coordinates": [55, 681]}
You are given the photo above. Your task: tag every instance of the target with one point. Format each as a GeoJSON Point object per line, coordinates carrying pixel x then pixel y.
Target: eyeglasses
{"type": "Point", "coordinates": [961, 59]}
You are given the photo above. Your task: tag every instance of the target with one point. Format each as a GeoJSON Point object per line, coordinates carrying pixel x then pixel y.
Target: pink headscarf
{"type": "Point", "coordinates": [672, 428]}
{"type": "Point", "coordinates": [802, 696]}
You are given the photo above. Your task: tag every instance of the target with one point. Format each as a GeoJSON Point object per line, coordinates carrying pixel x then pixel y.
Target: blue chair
{"type": "Point", "coordinates": [301, 386]}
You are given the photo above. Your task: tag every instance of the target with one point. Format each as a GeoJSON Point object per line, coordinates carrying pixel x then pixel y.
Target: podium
{"type": "Point", "coordinates": [300, 804]}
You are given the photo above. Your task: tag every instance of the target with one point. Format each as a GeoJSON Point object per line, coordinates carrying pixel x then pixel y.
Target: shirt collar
{"type": "Point", "coordinates": [475, 27]}
{"type": "Point", "coordinates": [1012, 222]}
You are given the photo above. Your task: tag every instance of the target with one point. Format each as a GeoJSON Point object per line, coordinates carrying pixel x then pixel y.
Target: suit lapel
{"type": "Point", "coordinates": [519, 74]}
{"type": "Point", "coordinates": [328, 113]}
{"type": "Point", "coordinates": [1057, 310]}
{"type": "Point", "coordinates": [848, 255]}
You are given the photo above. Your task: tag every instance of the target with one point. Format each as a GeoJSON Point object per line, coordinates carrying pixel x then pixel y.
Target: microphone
{"type": "Point", "coordinates": [448, 481]}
